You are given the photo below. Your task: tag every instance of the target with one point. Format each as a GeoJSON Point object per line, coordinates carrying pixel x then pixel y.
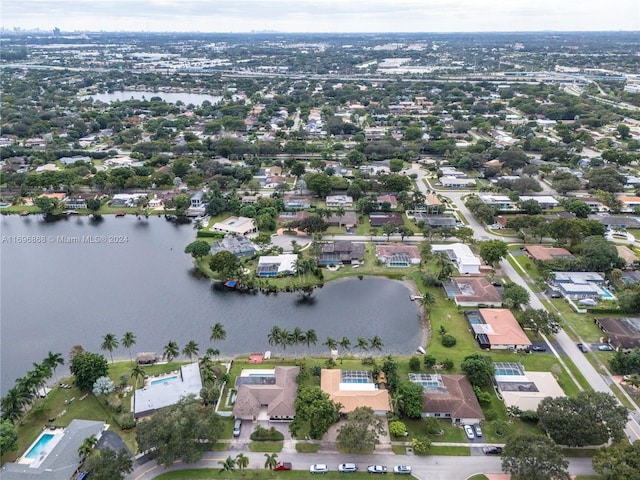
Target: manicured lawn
{"type": "Point", "coordinates": [307, 447]}
{"type": "Point", "coordinates": [265, 446]}
{"type": "Point", "coordinates": [449, 451]}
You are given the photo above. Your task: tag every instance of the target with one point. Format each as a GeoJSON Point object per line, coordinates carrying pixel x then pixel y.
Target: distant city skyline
{"type": "Point", "coordinates": [331, 16]}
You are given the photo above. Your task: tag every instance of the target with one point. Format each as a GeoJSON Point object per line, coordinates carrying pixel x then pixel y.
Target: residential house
{"type": "Point", "coordinates": [390, 199]}
{"type": "Point", "coordinates": [341, 251]}
{"type": "Point", "coordinates": [288, 217]}
{"type": "Point", "coordinates": [47, 167]}
{"type": "Point", "coordinates": [497, 329]}
{"type": "Point", "coordinates": [167, 390]}
{"type": "Point", "coordinates": [631, 277]}
{"type": "Point", "coordinates": [452, 172]}
{"type": "Point", "coordinates": [249, 199]}
{"type": "Point", "coordinates": [501, 202]}
{"type": "Point", "coordinates": [277, 265]}
{"type": "Point", "coordinates": [616, 223]}
{"type": "Point", "coordinates": [354, 389]}
{"type": "Point", "coordinates": [456, 182]}
{"type": "Point", "coordinates": [273, 181]}
{"type": "Point", "coordinates": [344, 201]}
{"type": "Point", "coordinates": [60, 459]}
{"type": "Point", "coordinates": [622, 333]}
{"type": "Point", "coordinates": [434, 220]}
{"type": "Point", "coordinates": [629, 203]}
{"type": "Point", "coordinates": [472, 292]}
{"type": "Point", "coordinates": [545, 201]}
{"type": "Point", "coordinates": [543, 252]}
{"type": "Point", "coordinates": [268, 394]}
{"type": "Point", "coordinates": [76, 201]}
{"type": "Point", "coordinates": [237, 225]}
{"type": "Point", "coordinates": [348, 220]}
{"type": "Point", "coordinates": [579, 285]}
{"type": "Point", "coordinates": [197, 199]}
{"type": "Point", "coordinates": [524, 390]}
{"type": "Point", "coordinates": [398, 255]}
{"type": "Point", "coordinates": [296, 202]}
{"type": "Point", "coordinates": [628, 255]}
{"type": "Point", "coordinates": [67, 161]}
{"type": "Point", "coordinates": [461, 256]}
{"type": "Point", "coordinates": [448, 396]}
{"type": "Point", "coordinates": [378, 219]}
{"type": "Point", "coordinates": [239, 245]}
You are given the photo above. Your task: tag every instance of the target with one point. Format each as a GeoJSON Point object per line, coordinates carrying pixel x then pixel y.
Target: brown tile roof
{"type": "Point", "coordinates": [377, 400]}
{"type": "Point", "coordinates": [542, 252]}
{"type": "Point", "coordinates": [476, 290]}
{"type": "Point", "coordinates": [623, 333]}
{"type": "Point", "coordinates": [458, 400]}
{"type": "Point", "coordinates": [278, 397]}
{"type": "Point", "coordinates": [504, 328]}
{"type": "Point", "coordinates": [626, 254]}
{"type": "Point", "coordinates": [397, 248]}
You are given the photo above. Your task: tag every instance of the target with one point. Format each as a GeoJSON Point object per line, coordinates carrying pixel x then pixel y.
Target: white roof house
{"type": "Point", "coordinates": [461, 255]}
{"type": "Point", "coordinates": [456, 182]}
{"type": "Point", "coordinates": [167, 391]}
{"type": "Point", "coordinates": [237, 225]}
{"type": "Point", "coordinates": [274, 265]}
{"type": "Point", "coordinates": [524, 389]}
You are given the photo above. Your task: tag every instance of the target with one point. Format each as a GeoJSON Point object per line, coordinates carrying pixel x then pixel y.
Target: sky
{"type": "Point", "coordinates": [321, 15]}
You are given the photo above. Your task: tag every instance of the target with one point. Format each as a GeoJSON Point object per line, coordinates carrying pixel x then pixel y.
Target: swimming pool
{"type": "Point", "coordinates": [606, 294]}
{"type": "Point", "coordinates": [164, 380]}
{"type": "Point", "coordinates": [37, 448]}
{"type": "Point", "coordinates": [356, 380]}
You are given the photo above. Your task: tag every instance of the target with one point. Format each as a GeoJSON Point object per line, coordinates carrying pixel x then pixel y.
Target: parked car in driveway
{"type": "Point", "coordinates": [318, 468]}
{"type": "Point", "coordinates": [477, 430]}
{"type": "Point", "coordinates": [538, 348]}
{"type": "Point", "coordinates": [605, 347]}
{"type": "Point", "coordinates": [492, 450]}
{"type": "Point", "coordinates": [468, 431]}
{"type": "Point", "coordinates": [402, 470]}
{"type": "Point", "coordinates": [347, 467]}
{"type": "Point", "coordinates": [582, 348]}
{"type": "Point", "coordinates": [377, 469]}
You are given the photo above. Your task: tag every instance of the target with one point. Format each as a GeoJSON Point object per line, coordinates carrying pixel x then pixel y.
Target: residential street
{"type": "Point", "coordinates": [428, 467]}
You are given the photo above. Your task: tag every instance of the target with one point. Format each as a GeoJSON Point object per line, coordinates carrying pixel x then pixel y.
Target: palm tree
{"type": "Point", "coordinates": [53, 360]}
{"type": "Point", "coordinates": [228, 465]}
{"type": "Point", "coordinates": [13, 403]}
{"type": "Point", "coordinates": [376, 343]}
{"type": "Point", "coordinates": [331, 344]}
{"type": "Point", "coordinates": [310, 337]}
{"type": "Point", "coordinates": [137, 373]}
{"type": "Point", "coordinates": [190, 349]}
{"type": "Point", "coordinates": [363, 344]}
{"type": "Point", "coordinates": [340, 211]}
{"type": "Point", "coordinates": [109, 343]}
{"type": "Point", "coordinates": [285, 339]}
{"type": "Point", "coordinates": [298, 336]}
{"type": "Point", "coordinates": [242, 461]}
{"type": "Point", "coordinates": [128, 341]}
{"type": "Point", "coordinates": [427, 301]}
{"type": "Point", "coordinates": [218, 333]}
{"type": "Point", "coordinates": [271, 460]}
{"type": "Point", "coordinates": [345, 344]}
{"type": "Point", "coordinates": [87, 446]}
{"type": "Point", "coordinates": [171, 351]}
{"type": "Point", "coordinates": [274, 336]}
{"type": "Point", "coordinates": [212, 352]}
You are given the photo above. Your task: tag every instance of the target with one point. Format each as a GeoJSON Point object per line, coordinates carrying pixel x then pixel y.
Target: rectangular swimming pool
{"type": "Point", "coordinates": [164, 380]}
{"type": "Point", "coordinates": [39, 446]}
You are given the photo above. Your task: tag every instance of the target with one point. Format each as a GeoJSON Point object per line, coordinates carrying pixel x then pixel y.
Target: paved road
{"type": "Point", "coordinates": [428, 467]}
{"type": "Point", "coordinates": [597, 381]}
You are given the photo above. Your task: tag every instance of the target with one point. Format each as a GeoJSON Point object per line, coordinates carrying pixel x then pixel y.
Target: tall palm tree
{"type": "Point", "coordinates": [362, 344]}
{"type": "Point", "coordinates": [271, 460]}
{"type": "Point", "coordinates": [128, 341]}
{"type": "Point", "coordinates": [331, 344]}
{"type": "Point", "coordinates": [171, 351]}
{"type": "Point", "coordinates": [242, 461]}
{"type": "Point", "coordinates": [345, 345]}
{"type": "Point", "coordinates": [427, 301]}
{"type": "Point", "coordinates": [87, 446]}
{"type": "Point", "coordinates": [273, 336]}
{"type": "Point", "coordinates": [285, 339]}
{"type": "Point", "coordinates": [310, 337]}
{"type": "Point", "coordinates": [137, 373]}
{"type": "Point", "coordinates": [190, 349]}
{"type": "Point", "coordinates": [376, 343]}
{"type": "Point", "coordinates": [228, 465]}
{"type": "Point", "coordinates": [218, 333]}
{"type": "Point", "coordinates": [13, 403]}
{"type": "Point", "coordinates": [298, 336]}
{"type": "Point", "coordinates": [53, 360]}
{"type": "Point", "coordinates": [109, 344]}
{"type": "Point", "coordinates": [212, 352]}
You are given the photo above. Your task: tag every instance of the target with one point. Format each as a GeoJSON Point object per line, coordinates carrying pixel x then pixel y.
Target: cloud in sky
{"type": "Point", "coordinates": [322, 15]}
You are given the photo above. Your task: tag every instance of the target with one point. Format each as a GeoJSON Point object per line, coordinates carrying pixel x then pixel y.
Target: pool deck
{"type": "Point", "coordinates": [57, 433]}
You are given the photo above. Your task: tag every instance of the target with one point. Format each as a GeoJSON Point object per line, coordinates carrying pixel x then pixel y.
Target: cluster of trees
{"type": "Point", "coordinates": [566, 231]}
{"type": "Point", "coordinates": [626, 363]}
{"type": "Point", "coordinates": [315, 411]}
{"type": "Point", "coordinates": [283, 338]}
{"type": "Point", "coordinates": [28, 390]}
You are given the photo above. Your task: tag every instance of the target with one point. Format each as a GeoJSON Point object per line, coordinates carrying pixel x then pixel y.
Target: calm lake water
{"type": "Point", "coordinates": [55, 295]}
{"type": "Point", "coordinates": [185, 97]}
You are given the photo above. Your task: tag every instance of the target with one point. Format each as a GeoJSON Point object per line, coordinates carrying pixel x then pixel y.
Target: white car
{"type": "Point", "coordinates": [318, 468]}
{"type": "Point", "coordinates": [469, 432]}
{"type": "Point", "coordinates": [347, 467]}
{"type": "Point", "coordinates": [377, 469]}
{"type": "Point", "coordinates": [402, 470]}
{"type": "Point", "coordinates": [478, 430]}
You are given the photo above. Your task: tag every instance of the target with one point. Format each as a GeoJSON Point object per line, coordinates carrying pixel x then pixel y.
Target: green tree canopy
{"type": "Point", "coordinates": [8, 437]}
{"type": "Point", "coordinates": [411, 395]}
{"type": "Point", "coordinates": [618, 462]}
{"type": "Point", "coordinates": [361, 431]}
{"type": "Point", "coordinates": [514, 295]}
{"type": "Point", "coordinates": [492, 251]}
{"type": "Point", "coordinates": [313, 406]}
{"type": "Point", "coordinates": [179, 432]}
{"type": "Point", "coordinates": [109, 464]}
{"type": "Point", "coordinates": [198, 249]}
{"type": "Point", "coordinates": [87, 367]}
{"type": "Point", "coordinates": [534, 457]}
{"type": "Point", "coordinates": [226, 264]}
{"type": "Point", "coordinates": [590, 418]}
{"type": "Point", "coordinates": [478, 369]}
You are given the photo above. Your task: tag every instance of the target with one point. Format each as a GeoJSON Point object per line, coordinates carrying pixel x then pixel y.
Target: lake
{"type": "Point", "coordinates": [169, 97]}
{"type": "Point", "coordinates": [57, 294]}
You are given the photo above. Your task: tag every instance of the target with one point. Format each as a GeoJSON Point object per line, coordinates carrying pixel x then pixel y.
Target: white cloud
{"type": "Point", "coordinates": [323, 15]}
